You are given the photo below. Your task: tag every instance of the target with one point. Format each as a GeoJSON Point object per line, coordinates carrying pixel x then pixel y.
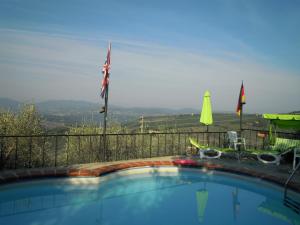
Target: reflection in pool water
{"type": "Point", "coordinates": [146, 197]}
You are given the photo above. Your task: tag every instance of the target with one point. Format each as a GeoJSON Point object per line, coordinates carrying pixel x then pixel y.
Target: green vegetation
{"type": "Point", "coordinates": [190, 122]}
{"type": "Point", "coordinates": [26, 122]}
{"type": "Point", "coordinates": [147, 136]}
{"type": "Point", "coordinates": [59, 116]}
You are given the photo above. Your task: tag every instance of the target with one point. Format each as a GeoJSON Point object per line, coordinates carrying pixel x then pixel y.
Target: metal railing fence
{"type": "Point", "coordinates": [67, 149]}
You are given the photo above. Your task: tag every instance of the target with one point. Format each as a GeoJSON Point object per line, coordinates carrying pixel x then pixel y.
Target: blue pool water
{"type": "Point", "coordinates": [146, 196]}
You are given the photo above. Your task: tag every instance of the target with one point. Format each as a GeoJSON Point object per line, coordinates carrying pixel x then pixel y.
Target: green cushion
{"type": "Point", "coordinates": [196, 144]}
{"type": "Point", "coordinates": [283, 144]}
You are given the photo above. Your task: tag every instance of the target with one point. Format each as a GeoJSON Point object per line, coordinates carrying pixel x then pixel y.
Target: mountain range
{"type": "Point", "coordinates": [74, 106]}
{"type": "Point", "coordinates": [70, 112]}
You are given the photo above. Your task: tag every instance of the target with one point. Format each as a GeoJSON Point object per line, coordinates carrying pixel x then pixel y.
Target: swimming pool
{"type": "Point", "coordinates": [165, 195]}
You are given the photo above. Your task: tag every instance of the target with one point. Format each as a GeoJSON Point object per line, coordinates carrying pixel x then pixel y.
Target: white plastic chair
{"type": "Point", "coordinates": [235, 141]}
{"type": "Point", "coordinates": [296, 155]}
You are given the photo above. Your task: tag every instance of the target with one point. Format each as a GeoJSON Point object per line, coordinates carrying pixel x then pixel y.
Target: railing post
{"type": "Point", "coordinates": [185, 142]}
{"type": "Point", "coordinates": [43, 152]}
{"type": "Point", "coordinates": [215, 139]}
{"type": "Point", "coordinates": [117, 147]}
{"type": "Point", "coordinates": [150, 145]}
{"type": "Point", "coordinates": [130, 147]}
{"type": "Point", "coordinates": [179, 151]}
{"type": "Point", "coordinates": [172, 135]}
{"type": "Point", "coordinates": [143, 147]}
{"type": "Point", "coordinates": [208, 137]}
{"type": "Point", "coordinates": [79, 149]}
{"type": "Point", "coordinates": [107, 147]}
{"type": "Point", "coordinates": [101, 149]}
{"type": "Point", "coordinates": [158, 151]}
{"type": "Point", "coordinates": [91, 149]}
{"type": "Point", "coordinates": [255, 140]}
{"type": "Point", "coordinates": [30, 152]}
{"type": "Point", "coordinates": [56, 148]}
{"type": "Point", "coordinates": [68, 149]}
{"type": "Point", "coordinates": [250, 138]}
{"type": "Point", "coordinates": [126, 148]}
{"type": "Point", "coordinates": [1, 153]}
{"type": "Point", "coordinates": [131, 155]}
{"type": "Point", "coordinates": [134, 146]}
{"type": "Point", "coordinates": [16, 153]}
{"type": "Point", "coordinates": [165, 144]}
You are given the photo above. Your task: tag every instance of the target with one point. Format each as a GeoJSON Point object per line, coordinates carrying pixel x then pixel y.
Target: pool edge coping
{"type": "Point", "coordinates": [12, 176]}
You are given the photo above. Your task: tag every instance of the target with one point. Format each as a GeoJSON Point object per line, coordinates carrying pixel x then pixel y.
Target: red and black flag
{"type": "Point", "coordinates": [242, 100]}
{"type": "Point", "coordinates": [105, 71]}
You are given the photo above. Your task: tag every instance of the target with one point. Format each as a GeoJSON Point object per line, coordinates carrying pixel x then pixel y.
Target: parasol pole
{"type": "Point", "coordinates": [207, 135]}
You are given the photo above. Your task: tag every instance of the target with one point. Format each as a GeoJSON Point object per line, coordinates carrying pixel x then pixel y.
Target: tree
{"type": "Point", "coordinates": [7, 126]}
{"type": "Point", "coordinates": [29, 121]}
{"type": "Point", "coordinates": [20, 149]}
{"type": "Point", "coordinates": [90, 148]}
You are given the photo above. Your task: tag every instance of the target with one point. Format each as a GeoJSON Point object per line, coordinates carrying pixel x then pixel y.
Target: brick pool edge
{"type": "Point", "coordinates": [20, 175]}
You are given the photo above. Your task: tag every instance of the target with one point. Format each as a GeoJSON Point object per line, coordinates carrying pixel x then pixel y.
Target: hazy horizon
{"type": "Point", "coordinates": [112, 106]}
{"type": "Point", "coordinates": [165, 54]}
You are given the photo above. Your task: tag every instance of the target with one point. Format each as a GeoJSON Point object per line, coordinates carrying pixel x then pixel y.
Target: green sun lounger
{"type": "Point", "coordinates": [204, 150]}
{"type": "Point", "coordinates": [280, 147]}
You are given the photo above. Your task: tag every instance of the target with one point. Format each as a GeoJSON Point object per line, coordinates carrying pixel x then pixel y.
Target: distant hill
{"type": "Point", "coordinates": [68, 112]}
{"type": "Point", "coordinates": [296, 112]}
{"type": "Point", "coordinates": [61, 113]}
{"type": "Point", "coordinates": [9, 104]}
{"type": "Point", "coordinates": [72, 106]}
{"type": "Point", "coordinates": [66, 107]}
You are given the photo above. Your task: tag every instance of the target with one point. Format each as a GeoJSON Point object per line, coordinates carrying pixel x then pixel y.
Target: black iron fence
{"type": "Point", "coordinates": [260, 139]}
{"type": "Point", "coordinates": [62, 150]}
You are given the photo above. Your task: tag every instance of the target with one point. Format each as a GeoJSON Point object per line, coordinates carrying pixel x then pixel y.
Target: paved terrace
{"type": "Point", "coordinates": [249, 167]}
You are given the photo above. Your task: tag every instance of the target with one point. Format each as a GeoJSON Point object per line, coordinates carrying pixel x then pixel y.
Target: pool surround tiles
{"type": "Point", "coordinates": [98, 169]}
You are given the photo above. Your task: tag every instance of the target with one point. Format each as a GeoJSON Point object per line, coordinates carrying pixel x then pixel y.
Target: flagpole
{"type": "Point", "coordinates": [105, 122]}
{"type": "Point", "coordinates": [104, 93]}
{"type": "Point", "coordinates": [241, 115]}
{"type": "Point", "coordinates": [241, 118]}
{"type": "Point", "coordinates": [105, 112]}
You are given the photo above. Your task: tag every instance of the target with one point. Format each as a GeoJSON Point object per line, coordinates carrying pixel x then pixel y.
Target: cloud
{"type": "Point", "coordinates": [42, 66]}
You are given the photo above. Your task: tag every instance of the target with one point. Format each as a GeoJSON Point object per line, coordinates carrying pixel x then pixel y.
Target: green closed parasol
{"type": "Point", "coordinates": [206, 113]}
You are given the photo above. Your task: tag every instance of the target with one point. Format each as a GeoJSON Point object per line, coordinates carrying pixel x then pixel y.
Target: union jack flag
{"type": "Point", "coordinates": [105, 71]}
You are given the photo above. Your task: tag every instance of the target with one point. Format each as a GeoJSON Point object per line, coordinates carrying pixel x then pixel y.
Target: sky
{"type": "Point", "coordinates": [165, 53]}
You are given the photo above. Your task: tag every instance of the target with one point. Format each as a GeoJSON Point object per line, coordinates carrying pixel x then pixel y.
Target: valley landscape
{"type": "Point", "coordinates": [59, 115]}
